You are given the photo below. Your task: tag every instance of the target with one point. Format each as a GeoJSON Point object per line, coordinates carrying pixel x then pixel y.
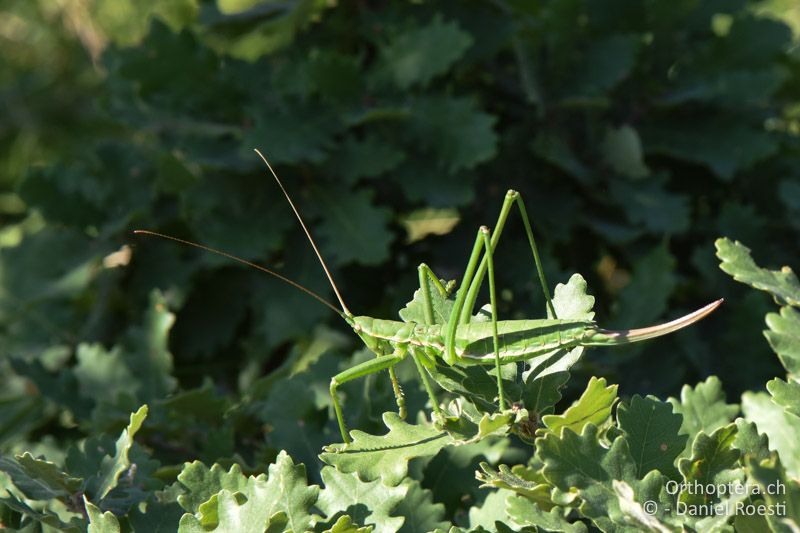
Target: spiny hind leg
{"type": "Point", "coordinates": [512, 198]}
{"type": "Point", "coordinates": [477, 267]}
{"type": "Point", "coordinates": [517, 198]}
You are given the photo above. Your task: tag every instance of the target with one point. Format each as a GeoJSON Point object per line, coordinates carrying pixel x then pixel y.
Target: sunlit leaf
{"type": "Point", "coordinates": [750, 441]}
{"type": "Point", "coordinates": [780, 492]}
{"type": "Point", "coordinates": [281, 496]}
{"type": "Point", "coordinates": [149, 356]}
{"type": "Point", "coordinates": [572, 300]}
{"type": "Point", "coordinates": [386, 457]}
{"type": "Point", "coordinates": [593, 407]}
{"type": "Point", "coordinates": [48, 518]}
{"type": "Point", "coordinates": [579, 464]}
{"type": "Point", "coordinates": [102, 374]}
{"type": "Point", "coordinates": [712, 463]}
{"type": "Point", "coordinates": [367, 503]}
{"type": "Point", "coordinates": [487, 516]}
{"type": "Point", "coordinates": [787, 394]}
{"type": "Point", "coordinates": [345, 524]}
{"type": "Point", "coordinates": [635, 512]}
{"type": "Point", "coordinates": [781, 427]}
{"type": "Point", "coordinates": [39, 479]}
{"type": "Point", "coordinates": [537, 490]}
{"type": "Point", "coordinates": [100, 522]}
{"type": "Point", "coordinates": [547, 374]}
{"type": "Point", "coordinates": [703, 408]}
{"type": "Point", "coordinates": [428, 221]}
{"type": "Point", "coordinates": [111, 468]}
{"type": "Point", "coordinates": [198, 483]}
{"type": "Point", "coordinates": [784, 337]}
{"type": "Point", "coordinates": [441, 304]}
{"type": "Point", "coordinates": [736, 261]}
{"type": "Point", "coordinates": [420, 513]}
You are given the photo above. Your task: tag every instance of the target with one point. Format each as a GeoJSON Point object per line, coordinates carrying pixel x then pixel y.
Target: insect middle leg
{"type": "Point", "coordinates": [482, 241]}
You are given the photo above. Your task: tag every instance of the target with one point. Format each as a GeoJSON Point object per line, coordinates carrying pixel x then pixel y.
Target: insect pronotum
{"type": "Point", "coordinates": [459, 342]}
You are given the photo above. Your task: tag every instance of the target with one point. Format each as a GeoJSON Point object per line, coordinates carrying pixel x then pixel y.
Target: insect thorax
{"type": "Point", "coordinates": [382, 336]}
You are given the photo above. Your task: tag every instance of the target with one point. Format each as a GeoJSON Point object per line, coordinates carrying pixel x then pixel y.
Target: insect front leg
{"type": "Point", "coordinates": [360, 370]}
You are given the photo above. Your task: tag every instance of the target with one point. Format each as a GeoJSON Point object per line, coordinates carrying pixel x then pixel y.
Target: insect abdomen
{"type": "Point", "coordinates": [519, 339]}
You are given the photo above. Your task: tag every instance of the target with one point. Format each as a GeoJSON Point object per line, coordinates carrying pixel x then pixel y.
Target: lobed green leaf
{"type": "Point", "coordinates": [786, 394]}
{"type": "Point", "coordinates": [784, 337]}
{"type": "Point", "coordinates": [593, 407]}
{"type": "Point", "coordinates": [386, 457]}
{"type": "Point", "coordinates": [780, 426]}
{"type": "Point", "coordinates": [198, 483]}
{"type": "Point", "coordinates": [100, 522]}
{"type": "Point", "coordinates": [703, 409]}
{"type": "Point", "coordinates": [578, 465]}
{"type": "Point", "coordinates": [416, 56]}
{"type": "Point", "coordinates": [651, 428]}
{"type": "Point", "coordinates": [367, 503]}
{"type": "Point", "coordinates": [782, 284]}
{"type": "Point", "coordinates": [524, 513]}
{"type": "Point", "coordinates": [779, 491]}
{"type": "Point", "coordinates": [713, 462]}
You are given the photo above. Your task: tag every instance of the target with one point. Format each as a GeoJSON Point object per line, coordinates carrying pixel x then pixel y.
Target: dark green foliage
{"type": "Point", "coordinates": [637, 132]}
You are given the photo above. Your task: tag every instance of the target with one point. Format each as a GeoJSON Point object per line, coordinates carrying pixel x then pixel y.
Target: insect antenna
{"type": "Point", "coordinates": [308, 234]}
{"type": "Point", "coordinates": [294, 284]}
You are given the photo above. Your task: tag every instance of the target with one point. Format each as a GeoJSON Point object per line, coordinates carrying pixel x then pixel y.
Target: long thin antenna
{"type": "Point", "coordinates": [243, 261]}
{"type": "Point", "coordinates": [308, 234]}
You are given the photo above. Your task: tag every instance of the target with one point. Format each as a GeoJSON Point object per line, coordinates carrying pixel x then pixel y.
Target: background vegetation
{"type": "Point", "coordinates": [638, 132]}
